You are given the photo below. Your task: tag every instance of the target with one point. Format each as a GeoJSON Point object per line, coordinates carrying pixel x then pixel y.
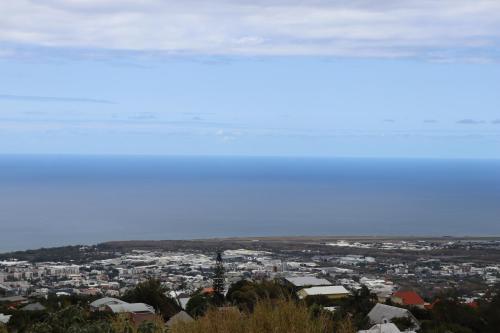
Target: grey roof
{"type": "Point", "coordinates": [383, 328]}
{"type": "Point", "coordinates": [13, 299]}
{"type": "Point", "coordinates": [184, 301]}
{"type": "Point", "coordinates": [131, 307]}
{"type": "Point", "coordinates": [106, 301]}
{"type": "Point", "coordinates": [383, 314]}
{"type": "Point", "coordinates": [325, 290]}
{"type": "Point", "coordinates": [33, 307]}
{"type": "Point", "coordinates": [4, 319]}
{"type": "Point", "coordinates": [303, 281]}
{"type": "Point", "coordinates": [5, 287]}
{"type": "Point", "coordinates": [179, 317]}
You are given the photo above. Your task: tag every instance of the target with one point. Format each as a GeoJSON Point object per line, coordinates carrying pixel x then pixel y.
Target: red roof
{"type": "Point", "coordinates": [409, 297]}
{"type": "Point", "coordinates": [431, 305]}
{"type": "Point", "coordinates": [208, 290]}
{"type": "Point", "coordinates": [472, 304]}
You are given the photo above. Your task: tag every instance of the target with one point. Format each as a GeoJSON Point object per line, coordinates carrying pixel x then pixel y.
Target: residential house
{"type": "Point", "coordinates": [33, 307]}
{"type": "Point", "coordinates": [298, 282]}
{"type": "Point", "coordinates": [332, 292]}
{"type": "Point", "coordinates": [178, 318]}
{"type": "Point", "coordinates": [384, 314]}
{"type": "Point", "coordinates": [138, 312]}
{"type": "Point", "coordinates": [408, 298]}
{"type": "Point", "coordinates": [384, 328]}
{"type": "Point", "coordinates": [102, 303]}
{"type": "Point", "coordinates": [4, 319]}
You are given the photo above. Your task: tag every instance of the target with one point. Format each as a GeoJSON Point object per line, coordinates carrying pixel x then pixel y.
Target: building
{"type": "Point", "coordinates": [332, 292]}
{"type": "Point", "coordinates": [384, 314]}
{"type": "Point", "coordinates": [138, 312]}
{"type": "Point", "coordinates": [14, 300]}
{"type": "Point", "coordinates": [384, 328]}
{"type": "Point", "coordinates": [101, 303]}
{"type": "Point", "coordinates": [4, 319]}
{"type": "Point", "coordinates": [178, 318]}
{"type": "Point", "coordinates": [33, 307]}
{"type": "Point", "coordinates": [306, 281]}
{"type": "Point", "coordinates": [408, 298]}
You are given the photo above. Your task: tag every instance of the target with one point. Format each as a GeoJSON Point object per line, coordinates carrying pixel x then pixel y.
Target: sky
{"type": "Point", "coordinates": [338, 78]}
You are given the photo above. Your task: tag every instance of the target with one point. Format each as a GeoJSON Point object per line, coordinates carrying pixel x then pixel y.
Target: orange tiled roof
{"type": "Point", "coordinates": [409, 297]}
{"type": "Point", "coordinates": [208, 290]}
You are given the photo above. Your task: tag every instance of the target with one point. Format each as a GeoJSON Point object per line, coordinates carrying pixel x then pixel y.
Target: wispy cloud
{"type": "Point", "coordinates": [29, 98]}
{"type": "Point", "coordinates": [440, 30]}
{"type": "Point", "coordinates": [496, 122]}
{"type": "Point", "coordinates": [470, 122]}
{"type": "Point", "coordinates": [144, 116]}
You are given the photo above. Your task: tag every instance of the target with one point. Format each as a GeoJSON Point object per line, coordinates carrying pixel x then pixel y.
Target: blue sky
{"type": "Point", "coordinates": [280, 77]}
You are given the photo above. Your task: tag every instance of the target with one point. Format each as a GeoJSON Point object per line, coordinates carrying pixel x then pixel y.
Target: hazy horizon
{"type": "Point", "coordinates": [82, 199]}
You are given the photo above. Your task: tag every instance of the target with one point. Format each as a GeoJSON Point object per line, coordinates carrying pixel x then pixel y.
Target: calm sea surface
{"type": "Point", "coordinates": [50, 200]}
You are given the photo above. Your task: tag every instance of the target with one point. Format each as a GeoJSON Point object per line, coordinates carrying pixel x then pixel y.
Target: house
{"type": "Point", "coordinates": [178, 318]}
{"type": "Point", "coordinates": [332, 292]}
{"type": "Point", "coordinates": [384, 328]}
{"type": "Point", "coordinates": [384, 314]}
{"type": "Point", "coordinates": [207, 291]}
{"type": "Point", "coordinates": [298, 282]}
{"type": "Point", "coordinates": [408, 298]}
{"type": "Point", "coordinates": [14, 300]}
{"type": "Point", "coordinates": [138, 312]}
{"type": "Point", "coordinates": [183, 301]}
{"type": "Point", "coordinates": [4, 319]}
{"type": "Point", "coordinates": [33, 307]}
{"type": "Point", "coordinates": [5, 288]}
{"type": "Point", "coordinates": [101, 303]}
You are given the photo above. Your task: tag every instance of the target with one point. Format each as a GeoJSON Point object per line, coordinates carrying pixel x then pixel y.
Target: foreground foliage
{"type": "Point", "coordinates": [153, 293]}
{"type": "Point", "coordinates": [283, 316]}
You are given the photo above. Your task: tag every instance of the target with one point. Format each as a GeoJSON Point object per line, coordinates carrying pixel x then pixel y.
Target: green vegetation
{"type": "Point", "coordinates": [74, 319]}
{"type": "Point", "coordinates": [218, 280]}
{"type": "Point", "coordinates": [452, 315]}
{"type": "Point", "coordinates": [283, 316]}
{"type": "Point", "coordinates": [357, 307]}
{"type": "Point", "coordinates": [245, 294]}
{"type": "Point", "coordinates": [198, 304]}
{"type": "Point", "coordinates": [76, 254]}
{"type": "Point", "coordinates": [153, 293]}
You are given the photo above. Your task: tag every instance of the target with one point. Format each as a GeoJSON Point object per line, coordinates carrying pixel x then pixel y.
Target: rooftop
{"type": "Point", "coordinates": [303, 281]}
{"type": "Point", "coordinates": [325, 290]}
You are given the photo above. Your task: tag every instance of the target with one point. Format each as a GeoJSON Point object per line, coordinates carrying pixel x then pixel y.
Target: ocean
{"type": "Point", "coordinates": [59, 200]}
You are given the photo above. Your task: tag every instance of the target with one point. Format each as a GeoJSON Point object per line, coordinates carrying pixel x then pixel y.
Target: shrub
{"type": "Point", "coordinates": [283, 316]}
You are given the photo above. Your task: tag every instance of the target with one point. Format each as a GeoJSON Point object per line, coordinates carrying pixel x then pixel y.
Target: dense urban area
{"type": "Point", "coordinates": [340, 285]}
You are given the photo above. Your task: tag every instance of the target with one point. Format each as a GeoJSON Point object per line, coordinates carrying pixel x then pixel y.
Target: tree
{"type": "Point", "coordinates": [198, 304]}
{"type": "Point", "coordinates": [152, 293]}
{"type": "Point", "coordinates": [491, 311]}
{"type": "Point", "coordinates": [403, 323]}
{"type": "Point", "coordinates": [357, 307]}
{"type": "Point", "coordinates": [282, 316]}
{"type": "Point", "coordinates": [218, 280]}
{"type": "Point", "coordinates": [245, 294]}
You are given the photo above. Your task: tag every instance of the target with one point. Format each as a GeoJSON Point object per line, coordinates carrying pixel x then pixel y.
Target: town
{"type": "Point", "coordinates": [403, 272]}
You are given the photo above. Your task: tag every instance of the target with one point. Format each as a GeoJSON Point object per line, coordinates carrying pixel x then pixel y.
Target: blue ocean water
{"type": "Point", "coordinates": [55, 200]}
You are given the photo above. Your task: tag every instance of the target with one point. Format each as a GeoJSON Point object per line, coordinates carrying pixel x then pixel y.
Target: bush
{"type": "Point", "coordinates": [283, 316]}
{"type": "Point", "coordinates": [245, 294]}
{"type": "Point", "coordinates": [152, 293]}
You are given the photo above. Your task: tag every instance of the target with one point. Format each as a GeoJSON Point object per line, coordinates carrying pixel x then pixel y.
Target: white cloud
{"type": "Point", "coordinates": [439, 29]}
